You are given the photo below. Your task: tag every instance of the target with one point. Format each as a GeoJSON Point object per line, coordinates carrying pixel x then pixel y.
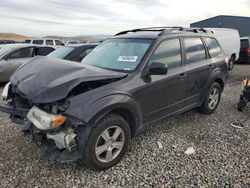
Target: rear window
{"type": "Point", "coordinates": [78, 54]}
{"type": "Point", "coordinates": [39, 42]}
{"type": "Point", "coordinates": [62, 52]}
{"type": "Point", "coordinates": [244, 43]}
{"type": "Point", "coordinates": [213, 47]}
{"type": "Point", "coordinates": [195, 50]}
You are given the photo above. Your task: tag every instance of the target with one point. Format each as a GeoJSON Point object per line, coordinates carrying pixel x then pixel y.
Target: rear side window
{"type": "Point", "coordinates": [22, 53]}
{"type": "Point", "coordinates": [39, 42]}
{"type": "Point", "coordinates": [43, 51]}
{"type": "Point", "coordinates": [195, 50]}
{"type": "Point", "coordinates": [49, 42]}
{"type": "Point", "coordinates": [213, 47]}
{"type": "Point", "coordinates": [59, 43]}
{"type": "Point", "coordinates": [244, 43]}
{"type": "Point", "coordinates": [169, 53]}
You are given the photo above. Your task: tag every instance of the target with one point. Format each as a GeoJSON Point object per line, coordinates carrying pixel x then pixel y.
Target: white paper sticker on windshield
{"type": "Point", "coordinates": [127, 58]}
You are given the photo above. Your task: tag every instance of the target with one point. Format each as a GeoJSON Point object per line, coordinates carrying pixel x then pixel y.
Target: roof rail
{"type": "Point", "coordinates": [165, 30]}
{"type": "Point", "coordinates": [148, 29]}
{"type": "Point", "coordinates": [192, 29]}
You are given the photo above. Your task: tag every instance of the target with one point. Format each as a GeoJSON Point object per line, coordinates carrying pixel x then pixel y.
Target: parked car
{"type": "Point", "coordinates": [91, 110]}
{"type": "Point", "coordinates": [7, 42]}
{"type": "Point", "coordinates": [244, 50]}
{"type": "Point", "coordinates": [229, 39]}
{"type": "Point", "coordinates": [45, 41]}
{"type": "Point", "coordinates": [73, 52]}
{"type": "Point", "coordinates": [13, 56]}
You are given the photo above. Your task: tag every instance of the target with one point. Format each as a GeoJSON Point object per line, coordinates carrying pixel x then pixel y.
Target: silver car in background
{"type": "Point", "coordinates": [13, 56]}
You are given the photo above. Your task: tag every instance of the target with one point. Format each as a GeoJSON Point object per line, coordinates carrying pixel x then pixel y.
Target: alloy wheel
{"type": "Point", "coordinates": [213, 98]}
{"type": "Point", "coordinates": [109, 144]}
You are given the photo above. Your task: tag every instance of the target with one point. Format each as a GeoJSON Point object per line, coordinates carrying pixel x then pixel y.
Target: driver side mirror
{"type": "Point", "coordinates": [157, 68]}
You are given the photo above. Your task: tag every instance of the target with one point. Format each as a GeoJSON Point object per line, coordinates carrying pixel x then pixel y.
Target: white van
{"type": "Point", "coordinates": [45, 41]}
{"type": "Point", "coordinates": [229, 39]}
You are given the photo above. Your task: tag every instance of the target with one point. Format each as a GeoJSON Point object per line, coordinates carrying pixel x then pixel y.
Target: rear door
{"type": "Point", "coordinates": [198, 66]}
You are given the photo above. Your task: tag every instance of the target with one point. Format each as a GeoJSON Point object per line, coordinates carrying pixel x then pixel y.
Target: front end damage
{"type": "Point", "coordinates": [46, 124]}
{"type": "Point", "coordinates": [41, 101]}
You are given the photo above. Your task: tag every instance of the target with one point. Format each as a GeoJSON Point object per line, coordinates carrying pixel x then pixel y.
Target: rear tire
{"type": "Point", "coordinates": [108, 142]}
{"type": "Point", "coordinates": [212, 99]}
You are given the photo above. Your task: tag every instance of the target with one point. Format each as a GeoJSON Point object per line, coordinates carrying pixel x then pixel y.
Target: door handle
{"type": "Point", "coordinates": [182, 75]}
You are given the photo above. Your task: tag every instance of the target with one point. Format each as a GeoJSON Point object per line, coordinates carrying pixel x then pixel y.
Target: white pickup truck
{"type": "Point", "coordinates": [229, 39]}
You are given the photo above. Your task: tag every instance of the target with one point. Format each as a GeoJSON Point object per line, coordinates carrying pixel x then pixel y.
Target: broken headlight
{"type": "Point", "coordinates": [43, 120]}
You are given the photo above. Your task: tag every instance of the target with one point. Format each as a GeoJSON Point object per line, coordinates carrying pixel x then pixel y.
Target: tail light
{"type": "Point", "coordinates": [248, 51]}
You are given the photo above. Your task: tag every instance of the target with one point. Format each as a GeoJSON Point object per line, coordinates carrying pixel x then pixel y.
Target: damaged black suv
{"type": "Point", "coordinates": [90, 111]}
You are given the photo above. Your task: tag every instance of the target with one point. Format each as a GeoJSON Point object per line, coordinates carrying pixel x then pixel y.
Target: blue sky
{"type": "Point", "coordinates": [77, 17]}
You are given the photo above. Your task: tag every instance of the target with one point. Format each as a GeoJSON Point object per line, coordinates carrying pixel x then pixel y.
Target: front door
{"type": "Point", "coordinates": [16, 59]}
{"type": "Point", "coordinates": [162, 95]}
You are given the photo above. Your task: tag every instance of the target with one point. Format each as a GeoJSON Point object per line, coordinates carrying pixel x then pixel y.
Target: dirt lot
{"type": "Point", "coordinates": [221, 158]}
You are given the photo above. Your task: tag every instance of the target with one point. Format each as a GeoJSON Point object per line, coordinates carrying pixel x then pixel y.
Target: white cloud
{"type": "Point", "coordinates": [64, 17]}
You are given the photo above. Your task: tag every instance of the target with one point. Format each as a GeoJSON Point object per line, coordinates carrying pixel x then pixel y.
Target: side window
{"type": "Point", "coordinates": [84, 53]}
{"type": "Point", "coordinates": [49, 42]}
{"type": "Point", "coordinates": [195, 50]}
{"type": "Point", "coordinates": [27, 41]}
{"type": "Point", "coordinates": [22, 53]}
{"type": "Point", "coordinates": [59, 43]}
{"type": "Point", "coordinates": [38, 42]}
{"type": "Point", "coordinates": [43, 51]}
{"type": "Point", "coordinates": [213, 47]}
{"type": "Point", "coordinates": [169, 53]}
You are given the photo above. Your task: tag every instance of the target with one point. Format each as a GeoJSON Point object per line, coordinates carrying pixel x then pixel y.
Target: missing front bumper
{"type": "Point", "coordinates": [55, 154]}
{"type": "Point", "coordinates": [13, 111]}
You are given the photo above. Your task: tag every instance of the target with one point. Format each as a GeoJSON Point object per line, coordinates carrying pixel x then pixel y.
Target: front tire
{"type": "Point", "coordinates": [108, 143]}
{"type": "Point", "coordinates": [212, 99]}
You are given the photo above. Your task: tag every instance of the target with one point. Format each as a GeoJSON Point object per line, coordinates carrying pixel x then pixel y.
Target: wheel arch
{"type": "Point", "coordinates": [221, 82]}
{"type": "Point", "coordinates": [132, 118]}
{"type": "Point", "coordinates": [120, 104]}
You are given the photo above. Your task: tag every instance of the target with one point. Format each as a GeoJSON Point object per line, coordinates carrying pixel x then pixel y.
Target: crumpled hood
{"type": "Point", "coordinates": [45, 80]}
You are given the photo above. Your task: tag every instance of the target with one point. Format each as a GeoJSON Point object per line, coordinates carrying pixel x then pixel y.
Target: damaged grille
{"type": "Point", "coordinates": [21, 102]}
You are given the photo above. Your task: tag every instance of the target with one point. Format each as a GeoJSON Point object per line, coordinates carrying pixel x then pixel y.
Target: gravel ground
{"type": "Point", "coordinates": [221, 158]}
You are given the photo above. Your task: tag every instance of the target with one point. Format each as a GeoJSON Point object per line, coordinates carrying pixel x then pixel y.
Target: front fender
{"type": "Point", "coordinates": [90, 112]}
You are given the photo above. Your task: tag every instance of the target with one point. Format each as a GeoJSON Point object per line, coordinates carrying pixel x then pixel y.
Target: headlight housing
{"type": "Point", "coordinates": [5, 91]}
{"type": "Point", "coordinates": [43, 120]}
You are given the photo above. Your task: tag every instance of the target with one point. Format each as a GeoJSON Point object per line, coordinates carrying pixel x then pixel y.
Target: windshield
{"type": "Point", "coordinates": [118, 54]}
{"type": "Point", "coordinates": [61, 53]}
{"type": "Point", "coordinates": [4, 49]}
